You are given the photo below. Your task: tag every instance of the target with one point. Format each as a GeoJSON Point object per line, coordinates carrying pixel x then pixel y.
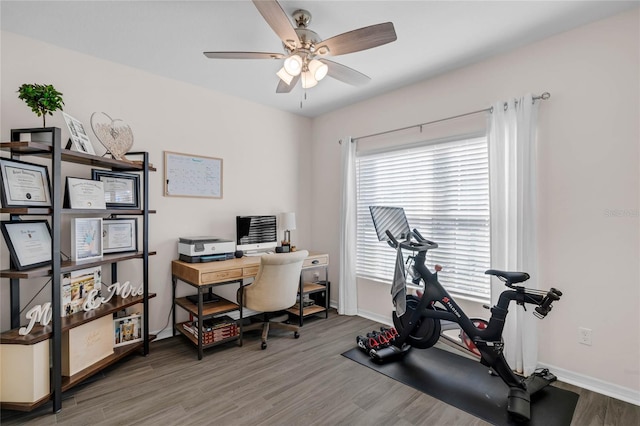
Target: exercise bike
{"type": "Point", "coordinates": [420, 325]}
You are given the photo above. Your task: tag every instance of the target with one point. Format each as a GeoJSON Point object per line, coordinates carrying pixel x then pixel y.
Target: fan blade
{"type": "Point", "coordinates": [345, 74]}
{"type": "Point", "coordinates": [279, 22]}
{"type": "Point", "coordinates": [243, 55]}
{"type": "Point", "coordinates": [286, 88]}
{"type": "Point", "coordinates": [357, 40]}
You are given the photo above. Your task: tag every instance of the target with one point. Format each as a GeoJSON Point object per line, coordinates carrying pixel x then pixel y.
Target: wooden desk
{"type": "Point", "coordinates": [205, 276]}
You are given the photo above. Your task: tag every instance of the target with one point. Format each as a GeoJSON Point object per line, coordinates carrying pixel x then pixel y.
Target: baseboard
{"type": "Point", "coordinates": [375, 317]}
{"type": "Point", "coordinates": [164, 334]}
{"type": "Point", "coordinates": [596, 385]}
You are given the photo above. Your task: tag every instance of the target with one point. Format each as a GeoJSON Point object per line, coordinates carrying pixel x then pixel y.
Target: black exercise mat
{"type": "Point", "coordinates": [467, 385]}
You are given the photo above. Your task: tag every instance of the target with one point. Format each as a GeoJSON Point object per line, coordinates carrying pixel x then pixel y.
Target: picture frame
{"type": "Point", "coordinates": [86, 239]}
{"type": "Point", "coordinates": [29, 243]}
{"type": "Point", "coordinates": [119, 235]}
{"type": "Point", "coordinates": [121, 190]}
{"type": "Point", "coordinates": [127, 330]}
{"type": "Point", "coordinates": [76, 286]}
{"type": "Point", "coordinates": [84, 194]}
{"type": "Point", "coordinates": [24, 184]}
{"type": "Point", "coordinates": [79, 138]}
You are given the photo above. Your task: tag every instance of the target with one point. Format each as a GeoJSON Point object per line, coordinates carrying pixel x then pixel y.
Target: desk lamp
{"type": "Point", "coordinates": [288, 223]}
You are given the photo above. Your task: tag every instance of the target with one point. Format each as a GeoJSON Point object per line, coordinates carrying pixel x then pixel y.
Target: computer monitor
{"type": "Point", "coordinates": [256, 233]}
{"type": "Point", "coordinates": [392, 219]}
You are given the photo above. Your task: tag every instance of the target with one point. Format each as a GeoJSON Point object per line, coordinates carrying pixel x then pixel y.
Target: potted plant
{"type": "Point", "coordinates": [42, 99]}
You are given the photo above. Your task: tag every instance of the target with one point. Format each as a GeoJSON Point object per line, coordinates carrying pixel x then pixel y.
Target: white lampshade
{"type": "Point", "coordinates": [288, 221]}
{"type": "Point", "coordinates": [318, 69]}
{"type": "Point", "coordinates": [284, 75]}
{"type": "Point", "coordinates": [293, 65]}
{"type": "Point", "coordinates": [307, 80]}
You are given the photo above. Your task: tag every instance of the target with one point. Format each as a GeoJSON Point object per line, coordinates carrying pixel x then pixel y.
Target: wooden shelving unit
{"type": "Point", "coordinates": [317, 290]}
{"type": "Point", "coordinates": [204, 311]}
{"type": "Point", "coordinates": [67, 266]}
{"type": "Point", "coordinates": [40, 333]}
{"type": "Point", "coordinates": [208, 309]}
{"type": "Point", "coordinates": [71, 381]}
{"type": "Point", "coordinates": [60, 324]}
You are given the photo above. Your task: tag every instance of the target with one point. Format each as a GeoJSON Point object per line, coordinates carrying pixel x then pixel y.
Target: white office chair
{"type": "Point", "coordinates": [274, 289]}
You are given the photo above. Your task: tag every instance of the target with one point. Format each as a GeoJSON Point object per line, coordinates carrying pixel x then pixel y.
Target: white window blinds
{"type": "Point", "coordinates": [444, 189]}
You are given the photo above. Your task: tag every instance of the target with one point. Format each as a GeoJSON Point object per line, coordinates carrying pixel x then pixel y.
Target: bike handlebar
{"type": "Point", "coordinates": [545, 306]}
{"type": "Point", "coordinates": [422, 243]}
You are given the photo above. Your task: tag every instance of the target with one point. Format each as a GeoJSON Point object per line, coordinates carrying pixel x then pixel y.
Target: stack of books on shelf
{"type": "Point", "coordinates": [214, 329]}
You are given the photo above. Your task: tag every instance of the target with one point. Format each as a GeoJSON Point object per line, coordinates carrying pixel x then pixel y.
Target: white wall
{"type": "Point", "coordinates": [265, 152]}
{"type": "Point", "coordinates": [589, 157]}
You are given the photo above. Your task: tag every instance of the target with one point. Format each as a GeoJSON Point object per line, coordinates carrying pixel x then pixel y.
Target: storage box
{"type": "Point", "coordinates": [87, 344]}
{"type": "Point", "coordinates": [24, 372]}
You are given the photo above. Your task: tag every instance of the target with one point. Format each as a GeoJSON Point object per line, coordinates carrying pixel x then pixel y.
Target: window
{"type": "Point", "coordinates": [444, 189]}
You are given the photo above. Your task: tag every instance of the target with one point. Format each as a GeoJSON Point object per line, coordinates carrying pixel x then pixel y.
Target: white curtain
{"type": "Point", "coordinates": [513, 204]}
{"type": "Point", "coordinates": [347, 289]}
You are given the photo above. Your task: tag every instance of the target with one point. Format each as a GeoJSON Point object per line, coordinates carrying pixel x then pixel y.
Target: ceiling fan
{"type": "Point", "coordinates": [305, 51]}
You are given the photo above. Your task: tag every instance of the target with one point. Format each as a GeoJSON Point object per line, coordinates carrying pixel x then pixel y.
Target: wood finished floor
{"type": "Point", "coordinates": [292, 382]}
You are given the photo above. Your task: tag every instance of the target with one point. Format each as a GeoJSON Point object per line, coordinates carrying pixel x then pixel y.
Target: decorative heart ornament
{"type": "Point", "coordinates": [115, 135]}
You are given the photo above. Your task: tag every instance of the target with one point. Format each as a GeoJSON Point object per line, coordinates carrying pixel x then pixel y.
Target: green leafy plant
{"type": "Point", "coordinates": [43, 99]}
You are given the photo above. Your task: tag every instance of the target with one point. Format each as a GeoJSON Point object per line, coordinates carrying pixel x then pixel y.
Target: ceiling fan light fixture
{"type": "Point", "coordinates": [322, 50]}
{"type": "Point", "coordinates": [307, 80]}
{"type": "Point", "coordinates": [318, 69]}
{"type": "Point", "coordinates": [293, 65]}
{"type": "Point", "coordinates": [284, 75]}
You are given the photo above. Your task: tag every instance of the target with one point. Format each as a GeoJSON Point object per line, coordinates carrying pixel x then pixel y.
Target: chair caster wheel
{"type": "Point", "coordinates": [263, 346]}
{"type": "Point", "coordinates": [296, 335]}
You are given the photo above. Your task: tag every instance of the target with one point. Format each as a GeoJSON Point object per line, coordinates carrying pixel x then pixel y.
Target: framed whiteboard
{"type": "Point", "coordinates": [188, 175]}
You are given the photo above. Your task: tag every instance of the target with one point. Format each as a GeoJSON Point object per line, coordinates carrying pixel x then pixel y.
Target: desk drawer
{"type": "Point", "coordinates": [316, 260]}
{"type": "Point", "coordinates": [212, 277]}
{"type": "Point", "coordinates": [250, 271]}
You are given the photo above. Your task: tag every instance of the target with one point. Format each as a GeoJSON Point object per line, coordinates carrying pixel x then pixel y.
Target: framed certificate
{"type": "Point", "coordinates": [121, 190]}
{"type": "Point", "coordinates": [119, 235]}
{"type": "Point", "coordinates": [29, 243]}
{"type": "Point", "coordinates": [84, 194]}
{"type": "Point", "coordinates": [24, 184]}
{"type": "Point", "coordinates": [86, 239]}
{"type": "Point", "coordinates": [79, 136]}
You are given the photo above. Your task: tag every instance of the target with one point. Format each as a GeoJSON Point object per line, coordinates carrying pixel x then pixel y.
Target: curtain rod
{"type": "Point", "coordinates": [544, 97]}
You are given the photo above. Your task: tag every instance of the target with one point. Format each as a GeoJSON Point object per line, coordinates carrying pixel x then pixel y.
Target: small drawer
{"type": "Point", "coordinates": [212, 277]}
{"type": "Point", "coordinates": [319, 260]}
{"type": "Point", "coordinates": [251, 271]}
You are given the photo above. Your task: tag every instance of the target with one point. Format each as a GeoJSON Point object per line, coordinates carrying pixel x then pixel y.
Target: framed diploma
{"type": "Point", "coordinates": [29, 243]}
{"type": "Point", "coordinates": [24, 184]}
{"type": "Point", "coordinates": [86, 238]}
{"type": "Point", "coordinates": [119, 235]}
{"type": "Point", "coordinates": [120, 189]}
{"type": "Point", "coordinates": [79, 137]}
{"type": "Point", "coordinates": [84, 194]}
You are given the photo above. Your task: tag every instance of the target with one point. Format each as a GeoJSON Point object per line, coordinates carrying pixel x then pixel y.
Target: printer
{"type": "Point", "coordinates": [205, 249]}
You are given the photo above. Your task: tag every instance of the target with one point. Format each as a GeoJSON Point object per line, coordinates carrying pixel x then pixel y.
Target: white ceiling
{"type": "Point", "coordinates": [168, 37]}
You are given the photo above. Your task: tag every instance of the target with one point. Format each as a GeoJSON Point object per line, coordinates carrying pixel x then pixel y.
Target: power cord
{"type": "Point", "coordinates": [168, 319]}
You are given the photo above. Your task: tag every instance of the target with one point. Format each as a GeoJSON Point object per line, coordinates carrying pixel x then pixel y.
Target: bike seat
{"type": "Point", "coordinates": [510, 277]}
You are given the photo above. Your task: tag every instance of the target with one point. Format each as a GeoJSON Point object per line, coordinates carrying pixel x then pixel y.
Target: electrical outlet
{"type": "Point", "coordinates": [584, 336]}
